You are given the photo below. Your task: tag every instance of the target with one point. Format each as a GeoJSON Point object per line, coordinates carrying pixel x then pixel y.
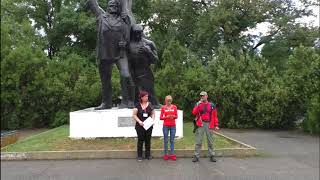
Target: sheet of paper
{"type": "Point", "coordinates": [147, 123]}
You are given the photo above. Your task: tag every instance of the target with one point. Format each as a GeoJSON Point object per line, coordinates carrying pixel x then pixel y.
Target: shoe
{"type": "Point", "coordinates": [212, 159]}
{"type": "Point", "coordinates": [102, 106]}
{"type": "Point", "coordinates": [139, 159]}
{"type": "Point", "coordinates": [173, 157]}
{"type": "Point", "coordinates": [166, 157]}
{"type": "Point", "coordinates": [149, 157]}
{"type": "Point", "coordinates": [195, 159]}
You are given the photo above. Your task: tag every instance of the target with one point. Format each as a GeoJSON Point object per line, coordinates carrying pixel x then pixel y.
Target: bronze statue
{"type": "Point", "coordinates": [113, 28]}
{"type": "Point", "coordinates": [142, 53]}
{"type": "Point", "coordinates": [118, 38]}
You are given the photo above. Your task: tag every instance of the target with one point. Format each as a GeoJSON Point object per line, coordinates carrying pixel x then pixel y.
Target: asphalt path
{"type": "Point", "coordinates": [283, 155]}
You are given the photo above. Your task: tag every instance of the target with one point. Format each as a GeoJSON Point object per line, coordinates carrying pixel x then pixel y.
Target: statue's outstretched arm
{"type": "Point", "coordinates": [95, 8]}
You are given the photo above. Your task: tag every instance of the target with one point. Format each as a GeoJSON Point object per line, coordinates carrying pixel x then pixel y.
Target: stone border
{"type": "Point", "coordinates": [244, 151]}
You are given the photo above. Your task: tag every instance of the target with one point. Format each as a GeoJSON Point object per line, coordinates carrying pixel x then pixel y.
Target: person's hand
{"type": "Point", "coordinates": [122, 44]}
{"type": "Point", "coordinates": [124, 15]}
{"type": "Point", "coordinates": [143, 49]}
{"type": "Point", "coordinates": [216, 128]}
{"type": "Point", "coordinates": [140, 123]}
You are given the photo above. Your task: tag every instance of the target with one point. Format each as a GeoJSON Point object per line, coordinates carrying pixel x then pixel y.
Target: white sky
{"type": "Point", "coordinates": [262, 29]}
{"type": "Point", "coordinates": [313, 21]}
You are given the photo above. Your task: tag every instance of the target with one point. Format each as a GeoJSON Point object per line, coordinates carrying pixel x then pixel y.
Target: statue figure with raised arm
{"type": "Point", "coordinates": [113, 27]}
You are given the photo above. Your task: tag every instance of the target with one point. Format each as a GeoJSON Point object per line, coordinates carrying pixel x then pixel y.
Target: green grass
{"type": "Point", "coordinates": [57, 140]}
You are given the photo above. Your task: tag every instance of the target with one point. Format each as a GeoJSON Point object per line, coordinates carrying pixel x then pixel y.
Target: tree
{"type": "Point", "coordinates": [21, 58]}
{"type": "Point", "coordinates": [247, 92]}
{"type": "Point", "coordinates": [302, 82]}
{"type": "Point", "coordinates": [37, 91]}
{"type": "Point", "coordinates": [181, 76]}
{"type": "Point", "coordinates": [278, 50]}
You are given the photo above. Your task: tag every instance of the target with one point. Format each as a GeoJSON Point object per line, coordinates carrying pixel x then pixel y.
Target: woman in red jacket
{"type": "Point", "coordinates": [169, 115]}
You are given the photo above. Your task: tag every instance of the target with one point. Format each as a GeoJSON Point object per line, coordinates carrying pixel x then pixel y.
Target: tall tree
{"type": "Point", "coordinates": [282, 45]}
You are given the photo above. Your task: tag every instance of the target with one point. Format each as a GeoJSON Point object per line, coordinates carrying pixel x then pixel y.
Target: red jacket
{"type": "Point", "coordinates": [167, 111]}
{"type": "Point", "coordinates": [203, 110]}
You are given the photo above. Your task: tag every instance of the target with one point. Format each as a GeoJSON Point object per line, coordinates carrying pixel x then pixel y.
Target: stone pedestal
{"type": "Point", "coordinates": [90, 123]}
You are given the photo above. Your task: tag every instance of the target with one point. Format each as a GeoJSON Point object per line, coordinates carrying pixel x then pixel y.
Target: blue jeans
{"type": "Point", "coordinates": [166, 130]}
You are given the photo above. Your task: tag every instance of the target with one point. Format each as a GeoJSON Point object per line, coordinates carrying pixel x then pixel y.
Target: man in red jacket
{"type": "Point", "coordinates": [206, 121]}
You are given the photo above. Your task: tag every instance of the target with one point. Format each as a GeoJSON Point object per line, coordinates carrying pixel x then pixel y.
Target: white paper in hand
{"type": "Point", "coordinates": [147, 123]}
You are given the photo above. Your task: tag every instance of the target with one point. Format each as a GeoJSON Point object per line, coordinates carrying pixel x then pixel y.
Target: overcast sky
{"type": "Point", "coordinates": [313, 21]}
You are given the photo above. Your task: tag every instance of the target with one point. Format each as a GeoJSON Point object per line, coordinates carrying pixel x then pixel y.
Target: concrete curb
{"type": "Point", "coordinates": [244, 151]}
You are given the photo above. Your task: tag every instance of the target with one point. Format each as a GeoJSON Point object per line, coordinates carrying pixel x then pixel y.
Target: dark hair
{"type": "Point", "coordinates": [142, 94]}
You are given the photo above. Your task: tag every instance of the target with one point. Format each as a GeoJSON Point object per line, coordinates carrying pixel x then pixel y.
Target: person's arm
{"type": "Point", "coordinates": [162, 114]}
{"type": "Point", "coordinates": [175, 116]}
{"type": "Point", "coordinates": [135, 117]}
{"type": "Point", "coordinates": [151, 51]}
{"type": "Point", "coordinates": [95, 8]}
{"type": "Point", "coordinates": [214, 123]}
{"type": "Point", "coordinates": [153, 114]}
{"type": "Point", "coordinates": [195, 110]}
{"type": "Point", "coordinates": [216, 120]}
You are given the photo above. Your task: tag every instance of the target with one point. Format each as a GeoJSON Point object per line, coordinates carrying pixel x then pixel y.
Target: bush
{"type": "Point", "coordinates": [248, 93]}
{"type": "Point", "coordinates": [311, 124]}
{"type": "Point", "coordinates": [67, 85]}
{"type": "Point", "coordinates": [38, 92]}
{"type": "Point", "coordinates": [302, 80]}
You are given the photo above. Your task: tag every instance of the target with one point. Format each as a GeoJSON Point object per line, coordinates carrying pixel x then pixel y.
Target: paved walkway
{"type": "Point", "coordinates": [294, 145]}
{"type": "Point", "coordinates": [283, 156]}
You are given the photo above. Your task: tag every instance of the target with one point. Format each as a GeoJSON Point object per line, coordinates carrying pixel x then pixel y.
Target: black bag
{"type": "Point", "coordinates": [194, 125]}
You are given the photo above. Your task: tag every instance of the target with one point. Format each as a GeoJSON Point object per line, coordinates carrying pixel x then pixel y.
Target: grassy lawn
{"type": "Point", "coordinates": [57, 140]}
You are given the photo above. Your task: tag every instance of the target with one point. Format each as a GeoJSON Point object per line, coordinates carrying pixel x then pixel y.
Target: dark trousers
{"type": "Point", "coordinates": [144, 136]}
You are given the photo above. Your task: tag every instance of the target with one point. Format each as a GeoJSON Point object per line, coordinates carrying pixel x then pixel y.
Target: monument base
{"type": "Point", "coordinates": [90, 123]}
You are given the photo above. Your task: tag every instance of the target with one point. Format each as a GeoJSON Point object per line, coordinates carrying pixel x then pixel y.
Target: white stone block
{"type": "Point", "coordinates": [90, 123]}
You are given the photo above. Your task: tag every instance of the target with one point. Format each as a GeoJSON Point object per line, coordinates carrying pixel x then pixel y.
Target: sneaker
{"type": "Point", "coordinates": [166, 157]}
{"type": "Point", "coordinates": [149, 157]}
{"type": "Point", "coordinates": [195, 159]}
{"type": "Point", "coordinates": [139, 159]}
{"type": "Point", "coordinates": [173, 157]}
{"type": "Point", "coordinates": [212, 159]}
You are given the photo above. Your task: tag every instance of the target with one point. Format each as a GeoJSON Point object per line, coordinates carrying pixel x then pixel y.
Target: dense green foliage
{"type": "Point", "coordinates": [257, 81]}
